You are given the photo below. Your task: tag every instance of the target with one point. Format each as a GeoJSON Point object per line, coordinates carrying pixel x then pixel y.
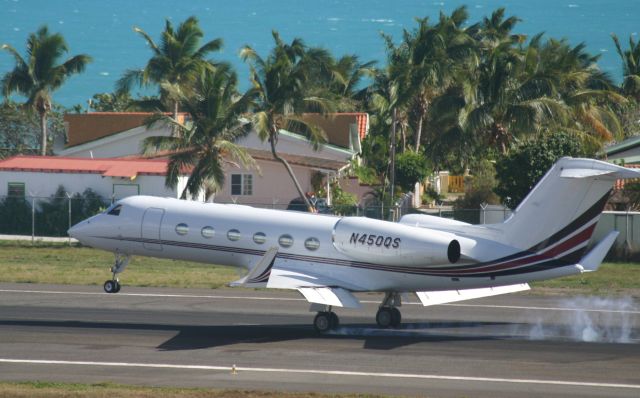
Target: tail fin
{"type": "Point", "coordinates": [564, 207]}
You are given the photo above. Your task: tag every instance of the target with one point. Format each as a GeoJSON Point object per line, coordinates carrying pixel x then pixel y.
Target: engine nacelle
{"type": "Point", "coordinates": [382, 242]}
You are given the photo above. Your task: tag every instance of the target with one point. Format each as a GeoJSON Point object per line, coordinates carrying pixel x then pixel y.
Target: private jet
{"type": "Point", "coordinates": [329, 258]}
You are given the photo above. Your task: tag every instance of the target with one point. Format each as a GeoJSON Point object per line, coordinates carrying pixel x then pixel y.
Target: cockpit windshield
{"type": "Point", "coordinates": [114, 210]}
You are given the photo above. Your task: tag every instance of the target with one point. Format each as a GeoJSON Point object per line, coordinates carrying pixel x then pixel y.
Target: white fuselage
{"type": "Point", "coordinates": [388, 259]}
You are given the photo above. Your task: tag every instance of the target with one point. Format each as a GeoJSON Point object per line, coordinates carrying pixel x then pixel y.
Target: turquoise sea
{"type": "Point", "coordinates": [103, 29]}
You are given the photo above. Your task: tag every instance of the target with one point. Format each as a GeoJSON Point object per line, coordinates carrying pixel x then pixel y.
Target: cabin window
{"type": "Point", "coordinates": [182, 229]}
{"type": "Point", "coordinates": [16, 190]}
{"type": "Point", "coordinates": [285, 240]}
{"type": "Point", "coordinates": [242, 184]}
{"type": "Point", "coordinates": [115, 211]}
{"type": "Point", "coordinates": [259, 238]}
{"type": "Point", "coordinates": [233, 234]}
{"type": "Point", "coordinates": [208, 232]}
{"type": "Point", "coordinates": [312, 244]}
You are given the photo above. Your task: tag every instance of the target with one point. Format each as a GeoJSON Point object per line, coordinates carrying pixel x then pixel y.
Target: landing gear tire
{"type": "Point", "coordinates": [111, 286]}
{"type": "Point", "coordinates": [384, 317]}
{"type": "Point", "coordinates": [335, 321]}
{"type": "Point", "coordinates": [325, 321]}
{"type": "Point", "coordinates": [396, 317]}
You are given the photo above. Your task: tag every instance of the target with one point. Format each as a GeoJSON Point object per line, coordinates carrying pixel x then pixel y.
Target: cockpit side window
{"type": "Point", "coordinates": [115, 211]}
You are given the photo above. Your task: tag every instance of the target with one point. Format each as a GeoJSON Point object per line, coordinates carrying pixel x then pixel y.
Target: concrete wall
{"type": "Point", "coordinates": [45, 184]}
{"type": "Point", "coordinates": [273, 186]}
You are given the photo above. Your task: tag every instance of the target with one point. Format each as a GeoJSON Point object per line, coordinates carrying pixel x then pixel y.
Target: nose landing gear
{"type": "Point", "coordinates": [121, 262]}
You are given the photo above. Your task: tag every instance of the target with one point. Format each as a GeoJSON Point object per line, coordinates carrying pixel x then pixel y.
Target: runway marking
{"type": "Point", "coordinates": [217, 297]}
{"type": "Point", "coordinates": [322, 372]}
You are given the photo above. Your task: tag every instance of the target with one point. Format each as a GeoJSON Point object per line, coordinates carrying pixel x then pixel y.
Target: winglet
{"type": "Point", "coordinates": [259, 275]}
{"type": "Point", "coordinates": [594, 258]}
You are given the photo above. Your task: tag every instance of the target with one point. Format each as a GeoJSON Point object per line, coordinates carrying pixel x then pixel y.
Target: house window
{"type": "Point", "coordinates": [241, 184]}
{"type": "Point", "coordinates": [16, 189]}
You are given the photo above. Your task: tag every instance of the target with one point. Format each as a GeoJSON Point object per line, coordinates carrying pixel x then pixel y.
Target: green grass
{"type": "Point", "coordinates": [108, 390]}
{"type": "Point", "coordinates": [59, 263]}
{"type": "Point", "coordinates": [610, 279]}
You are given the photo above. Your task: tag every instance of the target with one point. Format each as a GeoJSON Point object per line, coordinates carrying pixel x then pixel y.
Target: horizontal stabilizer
{"type": "Point", "coordinates": [260, 274]}
{"type": "Point", "coordinates": [594, 258]}
{"type": "Point", "coordinates": [583, 173]}
{"type": "Point", "coordinates": [333, 296]}
{"type": "Point", "coordinates": [450, 296]}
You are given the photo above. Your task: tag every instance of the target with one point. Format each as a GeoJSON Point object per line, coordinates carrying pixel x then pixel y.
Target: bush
{"type": "Point", "coordinates": [523, 167]}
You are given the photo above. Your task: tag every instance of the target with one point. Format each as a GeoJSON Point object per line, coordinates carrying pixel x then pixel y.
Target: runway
{"type": "Point", "coordinates": [524, 345]}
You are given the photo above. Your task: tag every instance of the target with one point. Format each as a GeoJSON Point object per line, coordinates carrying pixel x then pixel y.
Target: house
{"type": "Point", "coordinates": [625, 152]}
{"type": "Point", "coordinates": [105, 135]}
{"type": "Point", "coordinates": [112, 179]}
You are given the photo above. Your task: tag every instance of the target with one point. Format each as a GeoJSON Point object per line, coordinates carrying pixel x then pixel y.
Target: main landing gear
{"type": "Point", "coordinates": [113, 285]}
{"type": "Point", "coordinates": [326, 320]}
{"type": "Point", "coordinates": [388, 314]}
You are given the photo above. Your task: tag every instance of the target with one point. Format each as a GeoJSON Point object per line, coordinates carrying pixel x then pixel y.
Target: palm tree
{"type": "Point", "coordinates": [589, 93]}
{"type": "Point", "coordinates": [284, 90]}
{"type": "Point", "coordinates": [39, 74]}
{"type": "Point", "coordinates": [216, 111]}
{"type": "Point", "coordinates": [513, 96]}
{"type": "Point", "coordinates": [438, 53]}
{"type": "Point", "coordinates": [630, 66]}
{"type": "Point", "coordinates": [176, 61]}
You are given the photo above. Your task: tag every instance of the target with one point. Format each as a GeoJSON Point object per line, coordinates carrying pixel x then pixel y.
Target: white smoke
{"type": "Point", "coordinates": [584, 319]}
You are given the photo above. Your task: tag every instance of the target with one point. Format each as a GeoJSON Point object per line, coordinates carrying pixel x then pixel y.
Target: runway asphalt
{"type": "Point", "coordinates": [515, 345]}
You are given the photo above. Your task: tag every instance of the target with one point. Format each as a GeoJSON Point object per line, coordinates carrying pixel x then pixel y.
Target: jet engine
{"type": "Point", "coordinates": [382, 242]}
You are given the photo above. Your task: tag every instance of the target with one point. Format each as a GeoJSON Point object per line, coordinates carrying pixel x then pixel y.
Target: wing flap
{"type": "Point", "coordinates": [333, 296]}
{"type": "Point", "coordinates": [450, 296]}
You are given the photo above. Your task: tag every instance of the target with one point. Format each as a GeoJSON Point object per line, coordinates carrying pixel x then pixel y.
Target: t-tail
{"type": "Point", "coordinates": [558, 217]}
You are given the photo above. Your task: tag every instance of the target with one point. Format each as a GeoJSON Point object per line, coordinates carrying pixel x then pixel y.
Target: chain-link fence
{"type": "Point", "coordinates": [53, 216]}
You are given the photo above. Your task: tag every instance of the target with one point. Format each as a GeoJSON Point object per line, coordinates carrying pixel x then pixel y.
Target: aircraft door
{"type": "Point", "coordinates": [151, 222]}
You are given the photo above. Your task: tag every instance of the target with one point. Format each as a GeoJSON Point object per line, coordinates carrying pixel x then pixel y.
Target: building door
{"type": "Point", "coordinates": [151, 222]}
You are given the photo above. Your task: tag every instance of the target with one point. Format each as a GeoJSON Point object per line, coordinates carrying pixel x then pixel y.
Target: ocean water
{"type": "Point", "coordinates": [103, 29]}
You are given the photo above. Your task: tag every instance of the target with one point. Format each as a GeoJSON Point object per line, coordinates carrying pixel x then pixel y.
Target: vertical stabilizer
{"type": "Point", "coordinates": [564, 207]}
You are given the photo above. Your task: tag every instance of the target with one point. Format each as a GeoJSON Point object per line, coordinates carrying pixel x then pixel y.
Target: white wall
{"type": "Point", "coordinates": [45, 184]}
{"type": "Point", "coordinates": [274, 186]}
{"type": "Point", "coordinates": [122, 144]}
{"type": "Point", "coordinates": [295, 146]}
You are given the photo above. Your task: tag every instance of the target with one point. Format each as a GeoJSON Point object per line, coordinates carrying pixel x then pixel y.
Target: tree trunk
{"type": "Point", "coordinates": [286, 165]}
{"type": "Point", "coordinates": [419, 132]}
{"type": "Point", "coordinates": [392, 172]}
{"type": "Point", "coordinates": [175, 110]}
{"type": "Point", "coordinates": [43, 130]}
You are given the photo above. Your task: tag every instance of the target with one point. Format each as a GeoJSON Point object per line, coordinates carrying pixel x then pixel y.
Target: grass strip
{"type": "Point", "coordinates": [59, 263]}
{"type": "Point", "coordinates": [40, 389]}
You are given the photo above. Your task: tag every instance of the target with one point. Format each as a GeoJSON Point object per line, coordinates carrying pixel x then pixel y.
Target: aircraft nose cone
{"type": "Point", "coordinates": [76, 230]}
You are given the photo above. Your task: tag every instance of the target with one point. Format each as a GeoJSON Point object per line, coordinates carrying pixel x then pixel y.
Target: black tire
{"type": "Point", "coordinates": [335, 321]}
{"type": "Point", "coordinates": [110, 286]}
{"type": "Point", "coordinates": [384, 317]}
{"type": "Point", "coordinates": [118, 286]}
{"type": "Point", "coordinates": [396, 317]}
{"type": "Point", "coordinates": [322, 322]}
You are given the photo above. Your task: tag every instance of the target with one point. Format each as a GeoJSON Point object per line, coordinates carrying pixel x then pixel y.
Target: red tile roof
{"type": "Point", "coordinates": [129, 168]}
{"type": "Point", "coordinates": [619, 185]}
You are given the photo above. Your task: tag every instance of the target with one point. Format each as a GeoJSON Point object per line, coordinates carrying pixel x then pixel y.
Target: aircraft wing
{"type": "Point", "coordinates": [450, 296]}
